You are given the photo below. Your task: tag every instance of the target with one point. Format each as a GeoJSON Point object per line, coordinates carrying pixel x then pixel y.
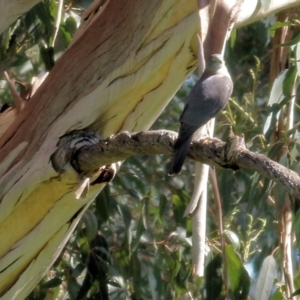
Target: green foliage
{"type": "Point", "coordinates": [133, 242]}
{"type": "Point", "coordinates": [28, 47]}
{"type": "Point", "coordinates": [239, 281]}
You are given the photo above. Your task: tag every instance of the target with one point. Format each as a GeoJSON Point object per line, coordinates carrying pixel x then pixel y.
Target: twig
{"type": "Point", "coordinates": [218, 202]}
{"type": "Point", "coordinates": [57, 20]}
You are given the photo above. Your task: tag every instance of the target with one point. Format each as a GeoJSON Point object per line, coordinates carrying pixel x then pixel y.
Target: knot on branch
{"type": "Point", "coordinates": [67, 152]}
{"type": "Point", "coordinates": [68, 145]}
{"type": "Point", "coordinates": [234, 145]}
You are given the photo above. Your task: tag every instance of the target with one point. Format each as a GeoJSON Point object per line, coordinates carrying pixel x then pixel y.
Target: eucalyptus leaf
{"type": "Point", "coordinates": [238, 277]}
{"type": "Point", "coordinates": [265, 281]}
{"type": "Point", "coordinates": [276, 97]}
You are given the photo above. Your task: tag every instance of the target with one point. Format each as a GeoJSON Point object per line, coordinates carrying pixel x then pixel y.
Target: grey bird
{"type": "Point", "coordinates": [208, 97]}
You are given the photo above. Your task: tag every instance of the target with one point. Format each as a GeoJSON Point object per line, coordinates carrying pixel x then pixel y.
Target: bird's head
{"type": "Point", "coordinates": [214, 63]}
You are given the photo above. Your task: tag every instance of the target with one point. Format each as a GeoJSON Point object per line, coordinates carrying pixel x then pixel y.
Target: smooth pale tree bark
{"type": "Point", "coordinates": [119, 75]}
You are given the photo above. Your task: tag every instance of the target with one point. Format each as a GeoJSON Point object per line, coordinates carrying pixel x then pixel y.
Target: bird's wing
{"type": "Point", "coordinates": [206, 99]}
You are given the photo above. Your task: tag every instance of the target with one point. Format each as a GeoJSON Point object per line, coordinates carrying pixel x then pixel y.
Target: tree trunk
{"type": "Point", "coordinates": [119, 75]}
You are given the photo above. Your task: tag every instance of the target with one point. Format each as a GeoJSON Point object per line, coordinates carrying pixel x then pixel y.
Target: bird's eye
{"type": "Point", "coordinates": [213, 59]}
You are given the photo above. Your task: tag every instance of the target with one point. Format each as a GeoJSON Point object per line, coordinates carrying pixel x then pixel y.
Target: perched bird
{"type": "Point", "coordinates": [208, 96]}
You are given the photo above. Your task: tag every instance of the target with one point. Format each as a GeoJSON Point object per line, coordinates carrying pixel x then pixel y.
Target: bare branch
{"type": "Point", "coordinates": [233, 154]}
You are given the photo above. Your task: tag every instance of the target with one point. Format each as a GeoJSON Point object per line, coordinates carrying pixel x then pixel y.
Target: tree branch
{"type": "Point", "coordinates": [233, 154]}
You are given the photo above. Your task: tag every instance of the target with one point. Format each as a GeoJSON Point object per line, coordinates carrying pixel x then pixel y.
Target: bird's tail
{"type": "Point", "coordinates": [181, 150]}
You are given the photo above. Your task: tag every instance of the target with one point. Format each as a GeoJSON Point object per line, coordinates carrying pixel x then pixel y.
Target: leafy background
{"type": "Point", "coordinates": [133, 242]}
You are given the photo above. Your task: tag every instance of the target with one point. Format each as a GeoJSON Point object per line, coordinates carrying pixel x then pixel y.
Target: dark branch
{"type": "Point", "coordinates": [233, 154]}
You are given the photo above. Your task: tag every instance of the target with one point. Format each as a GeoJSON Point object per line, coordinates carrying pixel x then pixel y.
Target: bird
{"type": "Point", "coordinates": [207, 98]}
